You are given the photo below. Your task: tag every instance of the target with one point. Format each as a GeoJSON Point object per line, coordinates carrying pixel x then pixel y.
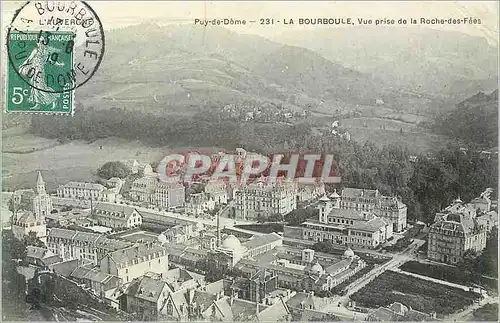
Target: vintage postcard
{"type": "Point", "coordinates": [249, 161]}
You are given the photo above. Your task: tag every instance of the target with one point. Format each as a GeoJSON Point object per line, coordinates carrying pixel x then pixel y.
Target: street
{"type": "Point", "coordinates": [397, 260]}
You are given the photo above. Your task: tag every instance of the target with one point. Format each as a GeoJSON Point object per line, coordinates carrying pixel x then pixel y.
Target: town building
{"type": "Point", "coordinates": [24, 222]}
{"type": "Point", "coordinates": [209, 303]}
{"type": "Point", "coordinates": [82, 191]}
{"type": "Point", "coordinates": [42, 202]}
{"type": "Point", "coordinates": [177, 234]}
{"type": "Point", "coordinates": [134, 261]}
{"type": "Point", "coordinates": [307, 192]}
{"type": "Point", "coordinates": [228, 253]}
{"type": "Point", "coordinates": [115, 182]}
{"type": "Point", "coordinates": [151, 192]}
{"type": "Point", "coordinates": [217, 191]}
{"type": "Point", "coordinates": [455, 231]}
{"type": "Point", "coordinates": [256, 288]}
{"type": "Point", "coordinates": [148, 294]}
{"type": "Point", "coordinates": [143, 189]}
{"type": "Point", "coordinates": [116, 216]}
{"type": "Point", "coordinates": [306, 307]}
{"type": "Point", "coordinates": [135, 167]}
{"type": "Point", "coordinates": [489, 220]}
{"type": "Point", "coordinates": [73, 244]}
{"type": "Point", "coordinates": [199, 204]}
{"type": "Point", "coordinates": [345, 226]}
{"type": "Point", "coordinates": [30, 209]}
{"type": "Point", "coordinates": [169, 195]}
{"type": "Point", "coordinates": [102, 284]}
{"type": "Point", "coordinates": [305, 270]}
{"type": "Point", "coordinates": [231, 250]}
{"type": "Point", "coordinates": [41, 257]}
{"type": "Point", "coordinates": [387, 207]}
{"type": "Point", "coordinates": [399, 312]}
{"type": "Point", "coordinates": [264, 198]}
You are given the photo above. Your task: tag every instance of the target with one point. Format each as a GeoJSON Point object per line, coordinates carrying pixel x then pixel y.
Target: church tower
{"type": "Point", "coordinates": [40, 184]}
{"type": "Point", "coordinates": [325, 207]}
{"type": "Point", "coordinates": [42, 202]}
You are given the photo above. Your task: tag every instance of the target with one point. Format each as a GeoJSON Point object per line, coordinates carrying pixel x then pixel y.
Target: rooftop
{"type": "Point", "coordinates": [262, 240]}
{"type": "Point", "coordinates": [350, 214]}
{"type": "Point", "coordinates": [146, 288]}
{"type": "Point", "coordinates": [359, 192]}
{"type": "Point", "coordinates": [138, 251]}
{"type": "Point", "coordinates": [91, 274]}
{"type": "Point", "coordinates": [114, 210]}
{"type": "Point", "coordinates": [369, 226]}
{"type": "Point", "coordinates": [83, 185]}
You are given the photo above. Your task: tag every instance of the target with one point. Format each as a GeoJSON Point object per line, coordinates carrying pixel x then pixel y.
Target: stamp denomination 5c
{"type": "Point", "coordinates": [53, 48]}
{"type": "Point", "coordinates": [47, 61]}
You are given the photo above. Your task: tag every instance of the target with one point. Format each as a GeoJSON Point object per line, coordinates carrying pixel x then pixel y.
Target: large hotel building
{"type": "Point", "coordinates": [265, 198]}
{"type": "Point", "coordinates": [461, 227]}
{"type": "Point", "coordinates": [344, 226]}
{"type": "Point", "coordinates": [388, 207]}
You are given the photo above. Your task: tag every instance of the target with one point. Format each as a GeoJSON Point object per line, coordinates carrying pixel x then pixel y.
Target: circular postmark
{"type": "Point", "coordinates": [55, 46]}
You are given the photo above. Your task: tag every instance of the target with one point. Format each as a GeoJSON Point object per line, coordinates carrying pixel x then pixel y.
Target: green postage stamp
{"type": "Point", "coordinates": [40, 73]}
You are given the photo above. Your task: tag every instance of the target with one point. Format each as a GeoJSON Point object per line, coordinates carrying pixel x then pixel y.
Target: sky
{"type": "Point", "coordinates": [115, 14]}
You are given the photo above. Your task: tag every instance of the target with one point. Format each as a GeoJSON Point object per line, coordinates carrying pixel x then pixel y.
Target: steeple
{"type": "Point", "coordinates": [40, 184]}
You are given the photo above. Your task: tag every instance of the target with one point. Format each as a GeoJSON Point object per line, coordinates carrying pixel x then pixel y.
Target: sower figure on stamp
{"type": "Point", "coordinates": [34, 66]}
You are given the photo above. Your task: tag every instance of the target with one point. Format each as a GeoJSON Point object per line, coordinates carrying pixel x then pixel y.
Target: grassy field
{"type": "Point", "coordinates": [61, 163]}
{"type": "Point", "coordinates": [421, 295]}
{"type": "Point", "coordinates": [417, 142]}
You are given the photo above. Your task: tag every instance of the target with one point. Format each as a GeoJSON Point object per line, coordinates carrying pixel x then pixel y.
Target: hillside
{"type": "Point", "coordinates": [184, 70]}
{"type": "Point", "coordinates": [474, 119]}
{"type": "Point", "coordinates": [444, 64]}
{"type": "Point", "coordinates": [309, 72]}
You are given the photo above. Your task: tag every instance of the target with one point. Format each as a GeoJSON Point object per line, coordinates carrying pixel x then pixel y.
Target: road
{"type": "Point", "coordinates": [212, 221]}
{"type": "Point", "coordinates": [435, 280]}
{"type": "Point", "coordinates": [467, 312]}
{"type": "Point", "coordinates": [397, 260]}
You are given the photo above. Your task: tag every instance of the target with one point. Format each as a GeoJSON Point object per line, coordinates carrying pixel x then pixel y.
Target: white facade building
{"type": "Point", "coordinates": [265, 199]}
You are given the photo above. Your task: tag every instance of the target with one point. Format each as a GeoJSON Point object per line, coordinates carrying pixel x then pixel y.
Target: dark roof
{"type": "Point", "coordinates": [384, 314]}
{"type": "Point", "coordinates": [359, 192]}
{"type": "Point", "coordinates": [262, 240]}
{"type": "Point", "coordinates": [62, 233]}
{"type": "Point", "coordinates": [36, 252]}
{"type": "Point", "coordinates": [135, 252]}
{"type": "Point", "coordinates": [333, 269]}
{"type": "Point", "coordinates": [146, 288]}
{"type": "Point", "coordinates": [91, 274]}
{"type": "Point", "coordinates": [25, 217]}
{"type": "Point", "coordinates": [240, 283]}
{"type": "Point", "coordinates": [348, 214]}
{"type": "Point", "coordinates": [118, 211]}
{"type": "Point", "coordinates": [204, 299]}
{"type": "Point", "coordinates": [416, 316]}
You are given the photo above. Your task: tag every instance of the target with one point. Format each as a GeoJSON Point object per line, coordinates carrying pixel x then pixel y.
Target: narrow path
{"type": "Point", "coordinates": [435, 280]}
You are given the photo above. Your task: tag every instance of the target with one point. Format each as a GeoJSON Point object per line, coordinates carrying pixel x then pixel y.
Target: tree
{"type": "Point", "coordinates": [20, 203]}
{"type": "Point", "coordinates": [276, 217]}
{"type": "Point", "coordinates": [32, 240]}
{"type": "Point", "coordinates": [488, 260]}
{"type": "Point", "coordinates": [113, 169]}
{"type": "Point", "coordinates": [325, 247]}
{"type": "Point", "coordinates": [13, 283]}
{"type": "Point", "coordinates": [298, 216]}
